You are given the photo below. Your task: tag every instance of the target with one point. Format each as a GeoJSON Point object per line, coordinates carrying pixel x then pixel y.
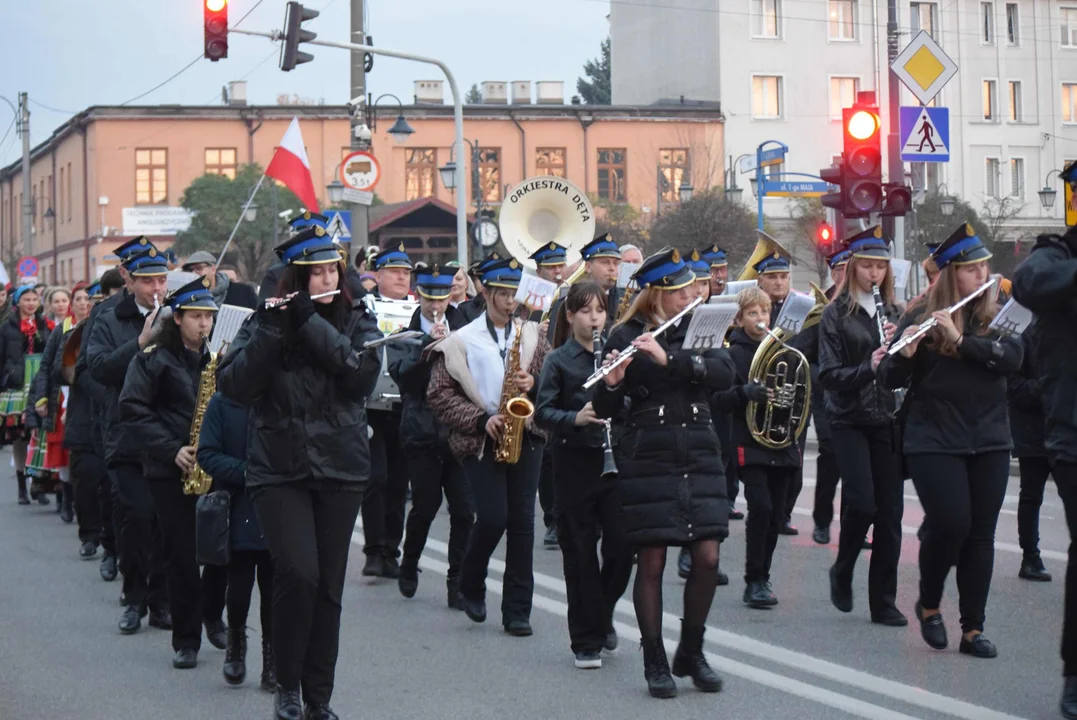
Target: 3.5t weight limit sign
{"type": "Point", "coordinates": [360, 171]}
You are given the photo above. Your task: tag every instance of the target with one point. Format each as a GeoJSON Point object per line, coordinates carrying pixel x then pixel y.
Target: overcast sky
{"type": "Point", "coordinates": [71, 54]}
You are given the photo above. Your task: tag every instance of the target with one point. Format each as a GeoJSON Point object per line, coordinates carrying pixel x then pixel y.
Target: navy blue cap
{"type": "Point", "coordinates": [841, 257]}
{"type": "Point", "coordinates": [308, 220]}
{"type": "Point", "coordinates": [772, 264]}
{"type": "Point", "coordinates": [699, 266]}
{"type": "Point", "coordinates": [1069, 173]}
{"type": "Point", "coordinates": [310, 247]}
{"type": "Point", "coordinates": [869, 243]}
{"type": "Point", "coordinates": [132, 247]}
{"type": "Point", "coordinates": [715, 256]}
{"type": "Point", "coordinates": [963, 247]}
{"type": "Point", "coordinates": [149, 263]}
{"type": "Point", "coordinates": [550, 255]}
{"type": "Point", "coordinates": [431, 283]}
{"type": "Point", "coordinates": [94, 291]}
{"type": "Point", "coordinates": [502, 274]}
{"type": "Point", "coordinates": [601, 246]}
{"type": "Point", "coordinates": [932, 247]}
{"type": "Point", "coordinates": [477, 267]}
{"type": "Point", "coordinates": [393, 257]}
{"type": "Point", "coordinates": [665, 270]}
{"type": "Point", "coordinates": [195, 295]}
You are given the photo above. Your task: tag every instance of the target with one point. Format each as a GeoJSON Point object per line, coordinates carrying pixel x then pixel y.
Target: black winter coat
{"type": "Point", "coordinates": [670, 477]}
{"type": "Point", "coordinates": [85, 429]}
{"type": "Point", "coordinates": [410, 370]}
{"type": "Point", "coordinates": [307, 391]}
{"type": "Point", "coordinates": [847, 338]}
{"type": "Point", "coordinates": [157, 404]}
{"type": "Point", "coordinates": [1046, 283]}
{"type": "Point", "coordinates": [561, 396]}
{"type": "Point", "coordinates": [14, 346]}
{"type": "Point", "coordinates": [222, 453]}
{"type": "Point", "coordinates": [735, 400]}
{"type": "Point", "coordinates": [955, 405]}
{"type": "Point", "coordinates": [471, 309]}
{"type": "Point", "coordinates": [112, 344]}
{"type": "Point", "coordinates": [270, 282]}
{"type": "Point", "coordinates": [1027, 427]}
{"type": "Point", "coordinates": [47, 382]}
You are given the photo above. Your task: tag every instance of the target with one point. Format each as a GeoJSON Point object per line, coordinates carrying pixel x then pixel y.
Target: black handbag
{"type": "Point", "coordinates": [212, 542]}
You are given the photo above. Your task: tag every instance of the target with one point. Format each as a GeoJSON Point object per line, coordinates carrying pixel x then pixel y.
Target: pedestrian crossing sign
{"type": "Point", "coordinates": [925, 134]}
{"type": "Point", "coordinates": [339, 225]}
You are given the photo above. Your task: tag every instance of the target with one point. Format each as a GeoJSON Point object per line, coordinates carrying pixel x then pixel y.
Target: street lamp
{"type": "Point", "coordinates": [946, 200]}
{"type": "Point", "coordinates": [336, 192]}
{"type": "Point", "coordinates": [734, 193]}
{"type": "Point", "coordinates": [448, 175]}
{"type": "Point", "coordinates": [755, 186]}
{"type": "Point", "coordinates": [401, 130]}
{"type": "Point", "coordinates": [251, 213]}
{"type": "Point", "coordinates": [684, 192]}
{"type": "Point", "coordinates": [1048, 194]}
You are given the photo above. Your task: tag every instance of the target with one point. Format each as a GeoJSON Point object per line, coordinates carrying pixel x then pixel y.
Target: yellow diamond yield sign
{"type": "Point", "coordinates": [924, 67]}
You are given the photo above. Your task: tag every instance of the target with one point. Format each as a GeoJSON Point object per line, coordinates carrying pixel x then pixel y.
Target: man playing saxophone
{"type": "Point", "coordinates": [158, 401]}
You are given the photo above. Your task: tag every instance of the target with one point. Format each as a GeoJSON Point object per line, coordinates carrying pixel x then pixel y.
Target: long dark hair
{"type": "Point", "coordinates": [297, 278]}
{"type": "Point", "coordinates": [169, 335]}
{"type": "Point", "coordinates": [580, 296]}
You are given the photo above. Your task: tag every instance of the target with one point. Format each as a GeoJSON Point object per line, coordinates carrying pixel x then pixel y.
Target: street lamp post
{"type": "Point", "coordinates": [1048, 194]}
{"type": "Point", "coordinates": [946, 201]}
{"type": "Point", "coordinates": [450, 179]}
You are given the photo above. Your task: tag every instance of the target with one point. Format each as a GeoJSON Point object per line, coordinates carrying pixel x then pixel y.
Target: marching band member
{"type": "Point", "coordinates": [602, 258]}
{"type": "Point", "coordinates": [22, 337]}
{"type": "Point", "coordinates": [669, 467]}
{"type": "Point", "coordinates": [271, 280]}
{"type": "Point", "coordinates": [861, 420]}
{"type": "Point", "coordinates": [458, 293]}
{"type": "Point", "coordinates": [466, 391]}
{"type": "Point", "coordinates": [719, 269]}
{"type": "Point", "coordinates": [550, 262]}
{"type": "Point", "coordinates": [425, 441]}
{"type": "Point", "coordinates": [157, 404]}
{"type": "Point", "coordinates": [587, 499]}
{"type": "Point", "coordinates": [956, 439]}
{"type": "Point", "coordinates": [702, 269]}
{"type": "Point", "coordinates": [301, 370]}
{"type": "Point", "coordinates": [1046, 283]}
{"type": "Point", "coordinates": [475, 306]}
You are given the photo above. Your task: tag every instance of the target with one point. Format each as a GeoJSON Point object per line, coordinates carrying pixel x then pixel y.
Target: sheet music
{"type": "Point", "coordinates": [1012, 319]}
{"type": "Point", "coordinates": [735, 287]}
{"type": "Point", "coordinates": [795, 311]}
{"type": "Point", "coordinates": [708, 326]}
{"type": "Point", "coordinates": [393, 315]}
{"type": "Point", "coordinates": [179, 278]}
{"type": "Point", "coordinates": [229, 319]}
{"type": "Point", "coordinates": [536, 293]}
{"type": "Point", "coordinates": [723, 300]}
{"type": "Point", "coordinates": [901, 269]}
{"type": "Point", "coordinates": [625, 272]}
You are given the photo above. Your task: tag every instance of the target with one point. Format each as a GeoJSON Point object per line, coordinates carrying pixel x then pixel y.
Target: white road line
{"type": "Point", "coordinates": [741, 643]}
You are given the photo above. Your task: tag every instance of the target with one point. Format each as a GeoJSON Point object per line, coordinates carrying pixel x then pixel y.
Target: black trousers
{"type": "Point", "coordinates": [141, 550]}
{"type": "Point", "coordinates": [547, 492]}
{"type": "Point", "coordinates": [108, 520]}
{"type": "Point", "coordinates": [242, 569]}
{"type": "Point", "coordinates": [1034, 472]}
{"type": "Point", "coordinates": [872, 494]}
{"type": "Point", "coordinates": [309, 534]}
{"type": "Point", "coordinates": [1065, 475]}
{"type": "Point", "coordinates": [961, 495]}
{"type": "Point", "coordinates": [588, 502]}
{"type": "Point", "coordinates": [214, 591]}
{"type": "Point", "coordinates": [88, 471]}
{"type": "Point", "coordinates": [434, 471]}
{"type": "Point", "coordinates": [387, 492]}
{"type": "Point", "coordinates": [796, 483]}
{"type": "Point", "coordinates": [827, 476]}
{"type": "Point", "coordinates": [504, 497]}
{"type": "Point", "coordinates": [176, 514]}
{"type": "Point", "coordinates": [765, 489]}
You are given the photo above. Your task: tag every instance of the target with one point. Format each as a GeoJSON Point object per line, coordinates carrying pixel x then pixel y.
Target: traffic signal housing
{"type": "Point", "coordinates": [898, 200]}
{"type": "Point", "coordinates": [824, 238]}
{"type": "Point", "coordinates": [863, 168]}
{"type": "Point", "coordinates": [215, 24]}
{"type": "Point", "coordinates": [835, 175]}
{"type": "Point", "coordinates": [294, 34]}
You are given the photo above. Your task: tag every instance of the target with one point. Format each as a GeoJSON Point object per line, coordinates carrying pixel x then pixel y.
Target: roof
{"type": "Point", "coordinates": [384, 215]}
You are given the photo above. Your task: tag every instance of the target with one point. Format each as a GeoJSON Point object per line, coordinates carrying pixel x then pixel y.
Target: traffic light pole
{"type": "Point", "coordinates": [458, 117]}
{"type": "Point", "coordinates": [895, 168]}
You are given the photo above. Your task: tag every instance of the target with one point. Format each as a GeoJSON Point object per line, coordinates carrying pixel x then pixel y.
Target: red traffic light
{"type": "Point", "coordinates": [215, 21]}
{"type": "Point", "coordinates": [826, 234]}
{"type": "Point", "coordinates": [863, 124]}
{"type": "Point", "coordinates": [215, 5]}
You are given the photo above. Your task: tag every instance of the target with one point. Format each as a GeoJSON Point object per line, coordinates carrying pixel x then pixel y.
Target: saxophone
{"type": "Point", "coordinates": [197, 481]}
{"type": "Point", "coordinates": [515, 409]}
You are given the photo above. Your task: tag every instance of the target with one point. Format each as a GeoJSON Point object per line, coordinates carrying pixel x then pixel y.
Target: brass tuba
{"type": "Point", "coordinates": [765, 246]}
{"type": "Point", "coordinates": [815, 315]}
{"type": "Point", "coordinates": [514, 408]}
{"type": "Point", "coordinates": [196, 481]}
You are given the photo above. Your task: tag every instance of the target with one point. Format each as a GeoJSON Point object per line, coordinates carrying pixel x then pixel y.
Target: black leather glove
{"type": "Point", "coordinates": [755, 392]}
{"type": "Point", "coordinates": [301, 307]}
{"type": "Point", "coordinates": [272, 317]}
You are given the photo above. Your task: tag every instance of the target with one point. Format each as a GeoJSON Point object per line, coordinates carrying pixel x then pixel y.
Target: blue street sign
{"type": "Point", "coordinates": [925, 134]}
{"type": "Point", "coordinates": [799, 188]}
{"type": "Point", "coordinates": [340, 224]}
{"type": "Point", "coordinates": [27, 267]}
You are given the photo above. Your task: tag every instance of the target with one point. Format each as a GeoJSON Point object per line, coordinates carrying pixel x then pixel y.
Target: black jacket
{"type": "Point", "coordinates": [471, 309]}
{"type": "Point", "coordinates": [735, 400]}
{"type": "Point", "coordinates": [222, 453]}
{"type": "Point", "coordinates": [410, 369]}
{"type": "Point", "coordinates": [955, 405]}
{"type": "Point", "coordinates": [14, 347]}
{"type": "Point", "coordinates": [241, 295]}
{"type": "Point", "coordinates": [847, 338]}
{"type": "Point", "coordinates": [112, 344]}
{"type": "Point", "coordinates": [1026, 404]}
{"type": "Point", "coordinates": [307, 391]}
{"type": "Point", "coordinates": [157, 404]}
{"type": "Point", "coordinates": [85, 429]}
{"type": "Point", "coordinates": [670, 477]}
{"type": "Point", "coordinates": [1046, 284]}
{"type": "Point", "coordinates": [561, 396]}
{"type": "Point", "coordinates": [270, 282]}
{"type": "Point", "coordinates": [47, 382]}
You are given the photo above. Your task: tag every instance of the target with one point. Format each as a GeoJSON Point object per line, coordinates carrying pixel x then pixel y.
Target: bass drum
{"type": "Point", "coordinates": [393, 316]}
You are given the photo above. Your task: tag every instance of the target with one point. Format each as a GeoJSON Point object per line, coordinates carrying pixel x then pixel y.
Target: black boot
{"type": "Point", "coordinates": [408, 582]}
{"type": "Point", "coordinates": [452, 594]}
{"type": "Point", "coordinates": [656, 669]}
{"type": "Point", "coordinates": [67, 504]}
{"type": "Point", "coordinates": [21, 479]}
{"type": "Point", "coordinates": [288, 705]}
{"type": "Point", "coordinates": [108, 566]}
{"type": "Point", "coordinates": [269, 666]}
{"type": "Point", "coordinates": [1032, 568]}
{"type": "Point", "coordinates": [1069, 698]}
{"type": "Point", "coordinates": [689, 660]}
{"type": "Point", "coordinates": [235, 656]}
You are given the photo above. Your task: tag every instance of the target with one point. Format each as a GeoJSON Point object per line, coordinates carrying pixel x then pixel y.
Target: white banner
{"type": "Point", "coordinates": [156, 220]}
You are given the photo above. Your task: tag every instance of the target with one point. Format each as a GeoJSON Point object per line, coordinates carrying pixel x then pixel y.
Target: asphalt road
{"type": "Point", "coordinates": [62, 656]}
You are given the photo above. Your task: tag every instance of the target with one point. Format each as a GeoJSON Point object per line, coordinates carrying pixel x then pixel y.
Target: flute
{"type": "Point", "coordinates": [274, 303]}
{"type": "Point", "coordinates": [926, 326]}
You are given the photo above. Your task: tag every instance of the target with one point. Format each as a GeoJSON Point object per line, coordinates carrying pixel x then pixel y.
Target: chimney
{"type": "Point", "coordinates": [495, 92]}
{"type": "Point", "coordinates": [237, 92]}
{"type": "Point", "coordinates": [521, 92]}
{"type": "Point", "coordinates": [550, 92]}
{"type": "Point", "coordinates": [429, 92]}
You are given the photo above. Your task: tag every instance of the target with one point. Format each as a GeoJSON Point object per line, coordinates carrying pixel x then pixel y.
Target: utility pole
{"type": "Point", "coordinates": [895, 168]}
{"type": "Point", "coordinates": [360, 213]}
{"type": "Point", "coordinates": [27, 200]}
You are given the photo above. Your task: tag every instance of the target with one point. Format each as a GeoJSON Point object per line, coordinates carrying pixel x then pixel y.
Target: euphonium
{"type": "Point", "coordinates": [514, 409]}
{"type": "Point", "coordinates": [197, 481]}
{"type": "Point", "coordinates": [785, 373]}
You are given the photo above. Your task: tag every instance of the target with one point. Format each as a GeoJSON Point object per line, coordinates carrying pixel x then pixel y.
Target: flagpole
{"type": "Point", "coordinates": [254, 192]}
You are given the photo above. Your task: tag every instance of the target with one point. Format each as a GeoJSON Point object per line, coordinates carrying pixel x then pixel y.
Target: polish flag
{"type": "Point", "coordinates": [290, 166]}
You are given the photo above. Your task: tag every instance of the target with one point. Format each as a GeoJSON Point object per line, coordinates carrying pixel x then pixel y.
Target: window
{"type": "Point", "coordinates": [612, 174]}
{"type": "Point", "coordinates": [842, 94]}
{"type": "Point", "coordinates": [766, 18]}
{"type": "Point", "coordinates": [673, 169]}
{"type": "Point", "coordinates": [1067, 18]}
{"type": "Point", "coordinates": [987, 23]}
{"type": "Point", "coordinates": [1013, 24]}
{"type": "Point", "coordinates": [69, 191]}
{"type": "Point", "coordinates": [925, 16]}
{"type": "Point", "coordinates": [550, 161]}
{"type": "Point", "coordinates": [60, 199]}
{"type": "Point", "coordinates": [1017, 178]}
{"type": "Point", "coordinates": [151, 176]}
{"type": "Point", "coordinates": [1069, 102]}
{"type": "Point", "coordinates": [1016, 113]}
{"type": "Point", "coordinates": [842, 20]}
{"type": "Point", "coordinates": [992, 178]}
{"type": "Point", "coordinates": [990, 100]}
{"type": "Point", "coordinates": [766, 96]}
{"type": "Point", "coordinates": [221, 161]}
{"type": "Point", "coordinates": [926, 176]}
{"type": "Point", "coordinates": [421, 170]}
{"type": "Point", "coordinates": [490, 174]}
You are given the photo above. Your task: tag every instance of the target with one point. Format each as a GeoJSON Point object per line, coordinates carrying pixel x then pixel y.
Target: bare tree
{"type": "Point", "coordinates": [808, 215]}
{"type": "Point", "coordinates": [708, 218]}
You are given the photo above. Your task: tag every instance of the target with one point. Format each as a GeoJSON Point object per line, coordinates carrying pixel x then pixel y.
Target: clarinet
{"type": "Point", "coordinates": [880, 321]}
{"type": "Point", "coordinates": [609, 466]}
